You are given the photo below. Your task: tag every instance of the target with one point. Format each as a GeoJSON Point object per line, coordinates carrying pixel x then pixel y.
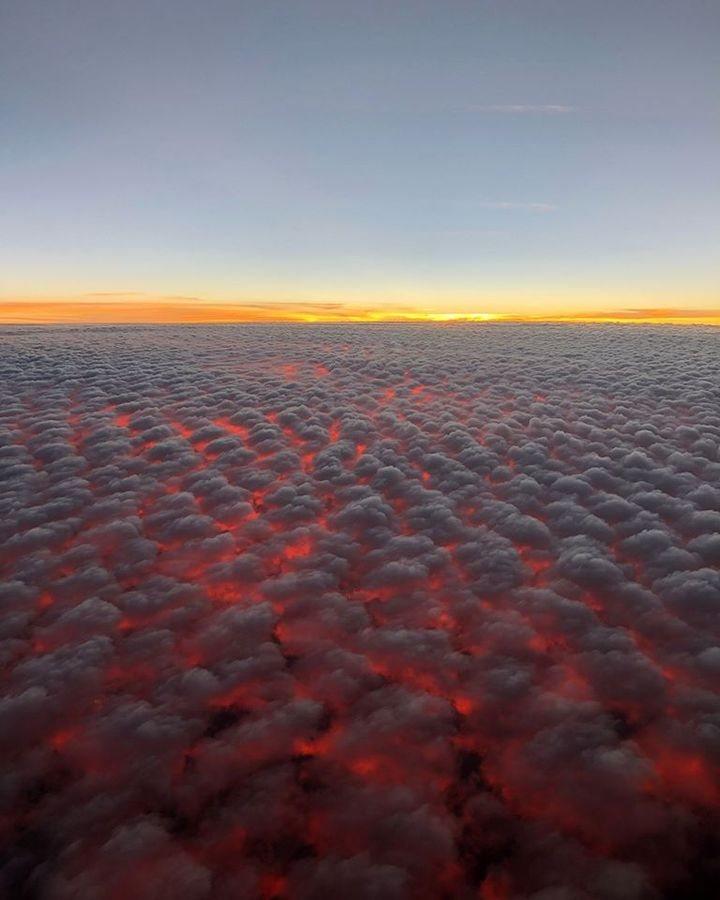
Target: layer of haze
{"type": "Point", "coordinates": [325, 160]}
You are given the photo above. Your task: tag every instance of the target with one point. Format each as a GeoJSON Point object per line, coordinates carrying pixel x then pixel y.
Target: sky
{"type": "Point", "coordinates": [326, 159]}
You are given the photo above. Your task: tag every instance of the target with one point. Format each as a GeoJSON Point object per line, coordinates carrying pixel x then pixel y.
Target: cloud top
{"type": "Point", "coordinates": [406, 612]}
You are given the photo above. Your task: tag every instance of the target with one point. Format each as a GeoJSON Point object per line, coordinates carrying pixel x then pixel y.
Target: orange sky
{"type": "Point", "coordinates": [140, 308]}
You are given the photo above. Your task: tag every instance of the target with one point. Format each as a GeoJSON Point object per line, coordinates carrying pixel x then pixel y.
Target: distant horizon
{"type": "Point", "coordinates": [78, 313]}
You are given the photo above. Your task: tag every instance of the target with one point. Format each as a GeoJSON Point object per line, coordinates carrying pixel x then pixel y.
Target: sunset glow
{"type": "Point", "coordinates": [148, 310]}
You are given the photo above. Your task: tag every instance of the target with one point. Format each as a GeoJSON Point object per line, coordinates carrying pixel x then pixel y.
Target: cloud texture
{"type": "Point", "coordinates": [360, 612]}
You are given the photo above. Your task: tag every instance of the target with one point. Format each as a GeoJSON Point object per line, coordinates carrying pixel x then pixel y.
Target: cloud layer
{"type": "Point", "coordinates": [371, 612]}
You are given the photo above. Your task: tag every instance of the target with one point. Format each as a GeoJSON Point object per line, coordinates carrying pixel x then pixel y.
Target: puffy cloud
{"type": "Point", "coordinates": [375, 612]}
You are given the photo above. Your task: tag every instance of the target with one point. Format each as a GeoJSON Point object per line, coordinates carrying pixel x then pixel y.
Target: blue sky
{"type": "Point", "coordinates": [508, 156]}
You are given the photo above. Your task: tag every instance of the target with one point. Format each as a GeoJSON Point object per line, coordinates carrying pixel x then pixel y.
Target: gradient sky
{"type": "Point", "coordinates": [515, 156]}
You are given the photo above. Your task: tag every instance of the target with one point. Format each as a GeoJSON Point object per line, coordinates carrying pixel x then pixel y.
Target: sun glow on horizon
{"type": "Point", "coordinates": [146, 310]}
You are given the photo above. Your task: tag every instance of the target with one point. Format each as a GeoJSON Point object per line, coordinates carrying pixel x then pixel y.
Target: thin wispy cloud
{"type": "Point", "coordinates": [542, 109]}
{"type": "Point", "coordinates": [507, 204]}
{"type": "Point", "coordinates": [661, 312]}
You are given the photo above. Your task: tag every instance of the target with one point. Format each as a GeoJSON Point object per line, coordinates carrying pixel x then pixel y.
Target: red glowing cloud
{"type": "Point", "coordinates": [294, 613]}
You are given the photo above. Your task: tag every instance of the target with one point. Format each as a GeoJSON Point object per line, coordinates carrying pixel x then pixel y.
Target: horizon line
{"type": "Point", "coordinates": [143, 309]}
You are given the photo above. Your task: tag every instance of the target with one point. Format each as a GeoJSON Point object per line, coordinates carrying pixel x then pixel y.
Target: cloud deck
{"type": "Point", "coordinates": [360, 612]}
